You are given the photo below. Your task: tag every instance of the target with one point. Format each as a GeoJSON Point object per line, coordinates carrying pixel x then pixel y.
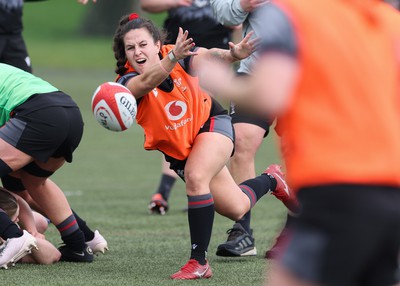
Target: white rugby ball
{"type": "Point", "coordinates": [114, 106]}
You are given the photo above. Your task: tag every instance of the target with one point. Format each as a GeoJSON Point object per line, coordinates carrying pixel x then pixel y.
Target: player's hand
{"type": "Point", "coordinates": [245, 48]}
{"type": "Point", "coordinates": [183, 45]}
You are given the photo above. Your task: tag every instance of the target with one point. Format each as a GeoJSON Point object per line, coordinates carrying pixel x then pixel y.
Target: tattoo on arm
{"type": "Point", "coordinates": [222, 54]}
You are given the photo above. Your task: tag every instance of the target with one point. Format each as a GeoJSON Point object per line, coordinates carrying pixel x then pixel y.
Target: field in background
{"type": "Point", "coordinates": [112, 178]}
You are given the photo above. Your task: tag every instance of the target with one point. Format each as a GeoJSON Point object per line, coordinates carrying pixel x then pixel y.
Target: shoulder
{"type": "Point", "coordinates": [278, 32]}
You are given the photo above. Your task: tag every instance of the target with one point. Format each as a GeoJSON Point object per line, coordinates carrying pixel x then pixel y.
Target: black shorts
{"type": "Point", "coordinates": [46, 125]}
{"type": "Point", "coordinates": [241, 115]}
{"type": "Point", "coordinates": [13, 52]}
{"type": "Point", "coordinates": [12, 184]}
{"type": "Point", "coordinates": [346, 235]}
{"type": "Point", "coordinates": [219, 122]}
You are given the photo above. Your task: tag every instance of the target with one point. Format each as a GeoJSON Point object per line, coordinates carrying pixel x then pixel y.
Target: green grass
{"type": "Point", "coordinates": [112, 179]}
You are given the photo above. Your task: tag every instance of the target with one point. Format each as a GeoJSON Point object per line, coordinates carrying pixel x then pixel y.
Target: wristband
{"type": "Point", "coordinates": [172, 56]}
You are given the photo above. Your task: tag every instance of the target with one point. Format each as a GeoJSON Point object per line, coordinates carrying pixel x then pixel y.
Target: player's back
{"type": "Point", "coordinates": [346, 126]}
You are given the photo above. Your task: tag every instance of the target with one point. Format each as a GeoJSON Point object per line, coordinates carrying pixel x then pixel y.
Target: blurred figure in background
{"type": "Point", "coordinates": [329, 71]}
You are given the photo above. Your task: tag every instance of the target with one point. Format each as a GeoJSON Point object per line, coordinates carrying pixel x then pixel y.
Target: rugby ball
{"type": "Point", "coordinates": [114, 106]}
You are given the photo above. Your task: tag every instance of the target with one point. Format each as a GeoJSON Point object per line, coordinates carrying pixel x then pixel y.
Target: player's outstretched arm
{"type": "Point", "coordinates": [235, 53]}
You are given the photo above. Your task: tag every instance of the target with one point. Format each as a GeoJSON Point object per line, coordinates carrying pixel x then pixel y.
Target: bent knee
{"type": "Point", "coordinates": [233, 214]}
{"type": "Point", "coordinates": [195, 180]}
{"type": "Point", "coordinates": [246, 148]}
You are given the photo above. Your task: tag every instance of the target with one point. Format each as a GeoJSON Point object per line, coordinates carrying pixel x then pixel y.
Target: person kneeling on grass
{"type": "Point", "coordinates": [192, 130]}
{"type": "Point", "coordinates": [19, 212]}
{"type": "Point", "coordinates": [93, 239]}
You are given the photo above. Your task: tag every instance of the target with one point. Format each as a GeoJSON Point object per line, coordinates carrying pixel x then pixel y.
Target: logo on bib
{"type": "Point", "coordinates": [176, 109]}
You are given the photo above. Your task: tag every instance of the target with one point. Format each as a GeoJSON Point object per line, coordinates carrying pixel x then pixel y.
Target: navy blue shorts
{"type": "Point", "coordinates": [346, 235]}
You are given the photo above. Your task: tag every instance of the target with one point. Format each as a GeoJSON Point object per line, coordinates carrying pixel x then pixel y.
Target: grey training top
{"type": "Point", "coordinates": [268, 22]}
{"type": "Point", "coordinates": [230, 13]}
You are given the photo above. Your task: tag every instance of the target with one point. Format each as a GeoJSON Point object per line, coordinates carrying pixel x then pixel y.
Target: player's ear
{"type": "Point", "coordinates": [158, 44]}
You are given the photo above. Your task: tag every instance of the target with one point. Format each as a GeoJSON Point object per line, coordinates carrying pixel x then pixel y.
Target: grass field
{"type": "Point", "coordinates": [112, 178]}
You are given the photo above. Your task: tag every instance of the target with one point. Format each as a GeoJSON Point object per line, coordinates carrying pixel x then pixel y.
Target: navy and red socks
{"type": "Point", "coordinates": [71, 234]}
{"type": "Point", "coordinates": [257, 187]}
{"type": "Point", "coordinates": [201, 219]}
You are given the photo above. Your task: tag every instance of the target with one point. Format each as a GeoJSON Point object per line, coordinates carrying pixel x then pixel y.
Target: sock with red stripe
{"type": "Point", "coordinates": [89, 234]}
{"type": "Point", "coordinates": [72, 236]}
{"type": "Point", "coordinates": [8, 229]}
{"type": "Point", "coordinates": [257, 187]}
{"type": "Point", "coordinates": [201, 219]}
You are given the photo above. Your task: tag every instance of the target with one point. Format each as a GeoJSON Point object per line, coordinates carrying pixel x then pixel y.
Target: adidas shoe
{"type": "Point", "coordinates": [16, 248]}
{"type": "Point", "coordinates": [69, 255]}
{"type": "Point", "coordinates": [98, 243]}
{"type": "Point", "coordinates": [282, 191]}
{"type": "Point", "coordinates": [239, 243]}
{"type": "Point", "coordinates": [158, 205]}
{"type": "Point", "coordinates": [193, 270]}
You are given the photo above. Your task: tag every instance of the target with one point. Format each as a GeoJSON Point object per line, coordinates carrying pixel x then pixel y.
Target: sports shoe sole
{"type": "Point", "coordinates": [187, 276]}
{"type": "Point", "coordinates": [231, 253]}
{"type": "Point", "coordinates": [98, 244]}
{"type": "Point", "coordinates": [25, 250]}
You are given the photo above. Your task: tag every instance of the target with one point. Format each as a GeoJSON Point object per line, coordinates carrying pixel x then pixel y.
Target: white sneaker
{"type": "Point", "coordinates": [16, 248]}
{"type": "Point", "coordinates": [98, 243]}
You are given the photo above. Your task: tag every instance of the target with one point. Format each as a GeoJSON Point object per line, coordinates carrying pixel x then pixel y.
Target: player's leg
{"type": "Point", "coordinates": [210, 153]}
{"type": "Point", "coordinates": [208, 181]}
{"type": "Point", "coordinates": [52, 145]}
{"type": "Point", "coordinates": [93, 239]}
{"type": "Point", "coordinates": [277, 247]}
{"type": "Point", "coordinates": [52, 200]}
{"type": "Point", "coordinates": [249, 134]}
{"type": "Point", "coordinates": [46, 253]}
